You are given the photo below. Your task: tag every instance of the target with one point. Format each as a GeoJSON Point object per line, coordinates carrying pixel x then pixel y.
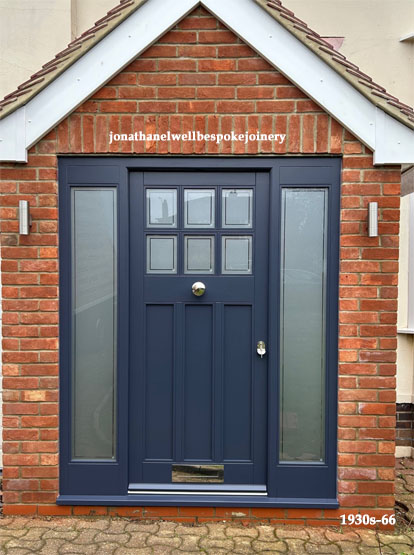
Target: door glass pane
{"type": "Point", "coordinates": [199, 255]}
{"type": "Point", "coordinates": [237, 207]}
{"type": "Point", "coordinates": [94, 322]}
{"type": "Point", "coordinates": [161, 208]}
{"type": "Point", "coordinates": [161, 254]}
{"type": "Point", "coordinates": [303, 308]}
{"type": "Point", "coordinates": [236, 253]}
{"type": "Point", "coordinates": [199, 207]}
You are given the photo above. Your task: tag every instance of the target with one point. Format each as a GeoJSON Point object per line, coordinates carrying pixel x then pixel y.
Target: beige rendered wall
{"type": "Point", "coordinates": [405, 350]}
{"type": "Point", "coordinates": [372, 31]}
{"type": "Point", "coordinates": [32, 32]}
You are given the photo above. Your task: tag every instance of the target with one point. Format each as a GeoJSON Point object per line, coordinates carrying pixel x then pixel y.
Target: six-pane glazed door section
{"type": "Point", "coordinates": [198, 385]}
{"type": "Point", "coordinates": [199, 230]}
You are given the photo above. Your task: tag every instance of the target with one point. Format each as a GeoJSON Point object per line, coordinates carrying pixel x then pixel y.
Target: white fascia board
{"type": "Point", "coordinates": [13, 137]}
{"type": "Point", "coordinates": [394, 142]}
{"type": "Point", "coordinates": [407, 38]}
{"type": "Point", "coordinates": [87, 75]}
{"type": "Point", "coordinates": [299, 64]}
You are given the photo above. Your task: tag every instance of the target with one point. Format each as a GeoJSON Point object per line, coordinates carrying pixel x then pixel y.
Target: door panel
{"type": "Point", "coordinates": [159, 379]}
{"type": "Point", "coordinates": [198, 383]}
{"type": "Point", "coordinates": [238, 366]}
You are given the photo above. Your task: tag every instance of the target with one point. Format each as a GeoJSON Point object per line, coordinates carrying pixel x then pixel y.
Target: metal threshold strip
{"type": "Point", "coordinates": [197, 489]}
{"type": "Point", "coordinates": [195, 492]}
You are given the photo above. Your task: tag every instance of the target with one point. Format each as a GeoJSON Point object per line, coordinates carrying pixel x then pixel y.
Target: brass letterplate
{"type": "Point", "coordinates": [198, 473]}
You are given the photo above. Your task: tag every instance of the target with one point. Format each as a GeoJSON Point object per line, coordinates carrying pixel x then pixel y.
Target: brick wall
{"type": "Point", "coordinates": [201, 77]}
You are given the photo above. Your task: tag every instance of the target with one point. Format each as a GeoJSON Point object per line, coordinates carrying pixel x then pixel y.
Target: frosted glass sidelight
{"type": "Point", "coordinates": [199, 255]}
{"type": "Point", "coordinates": [236, 252]}
{"type": "Point", "coordinates": [161, 254]}
{"type": "Point", "coordinates": [199, 208]}
{"type": "Point", "coordinates": [94, 322]}
{"type": "Point", "coordinates": [237, 208]}
{"type": "Point", "coordinates": [162, 208]}
{"type": "Point", "coordinates": [303, 324]}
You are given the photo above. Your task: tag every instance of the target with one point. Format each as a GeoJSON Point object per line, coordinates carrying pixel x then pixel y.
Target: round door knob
{"type": "Point", "coordinates": [198, 288]}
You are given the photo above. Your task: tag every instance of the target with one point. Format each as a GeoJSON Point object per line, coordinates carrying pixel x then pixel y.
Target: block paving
{"type": "Point", "coordinates": [87, 535]}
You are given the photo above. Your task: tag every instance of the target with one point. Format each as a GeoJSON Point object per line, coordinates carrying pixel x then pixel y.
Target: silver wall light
{"type": "Point", "coordinates": [373, 219]}
{"type": "Point", "coordinates": [25, 220]}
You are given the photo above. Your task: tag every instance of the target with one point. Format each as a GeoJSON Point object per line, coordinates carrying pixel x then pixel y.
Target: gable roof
{"type": "Point", "coordinates": [79, 46]}
{"type": "Point", "coordinates": [266, 25]}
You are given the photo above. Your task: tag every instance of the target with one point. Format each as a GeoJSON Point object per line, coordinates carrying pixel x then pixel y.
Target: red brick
{"type": "Point", "coordinates": [235, 51]}
{"type": "Point", "coordinates": [216, 92]}
{"type": "Point", "coordinates": [233, 106]}
{"type": "Point", "coordinates": [357, 500]}
{"type": "Point", "coordinates": [129, 78]}
{"type": "Point", "coordinates": [54, 510]}
{"type": "Point", "coordinates": [255, 92]}
{"type": "Point", "coordinates": [304, 513]}
{"type": "Point", "coordinates": [198, 23]}
{"type": "Point", "coordinates": [236, 78]}
{"type": "Point", "coordinates": [178, 37]}
{"type": "Point", "coordinates": [307, 106]}
{"type": "Point", "coordinates": [217, 65]}
{"type": "Point", "coordinates": [159, 51]}
{"type": "Point", "coordinates": [11, 510]}
{"type": "Point", "coordinates": [85, 510]}
{"type": "Point", "coordinates": [277, 106]}
{"type": "Point", "coordinates": [197, 511]}
{"type": "Point", "coordinates": [294, 133]}
{"type": "Point", "coordinates": [197, 51]}
{"type": "Point", "coordinates": [176, 92]}
{"type": "Point", "coordinates": [160, 511]}
{"type": "Point", "coordinates": [198, 78]}
{"type": "Point", "coordinates": [197, 106]}
{"type": "Point", "coordinates": [137, 92]}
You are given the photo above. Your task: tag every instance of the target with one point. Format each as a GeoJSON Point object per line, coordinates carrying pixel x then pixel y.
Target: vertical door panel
{"type": "Point", "coordinates": [159, 368]}
{"type": "Point", "coordinates": [237, 398]}
{"type": "Point", "coordinates": [198, 382]}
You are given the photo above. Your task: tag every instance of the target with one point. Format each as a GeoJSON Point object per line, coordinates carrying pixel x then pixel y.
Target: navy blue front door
{"type": "Point", "coordinates": [198, 387]}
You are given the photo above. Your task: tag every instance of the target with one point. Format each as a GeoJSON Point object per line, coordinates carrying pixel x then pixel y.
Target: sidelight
{"type": "Point", "coordinates": [94, 322]}
{"type": "Point", "coordinates": [302, 324]}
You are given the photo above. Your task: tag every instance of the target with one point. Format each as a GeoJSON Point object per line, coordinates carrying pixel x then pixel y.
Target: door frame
{"type": "Point", "coordinates": [92, 482]}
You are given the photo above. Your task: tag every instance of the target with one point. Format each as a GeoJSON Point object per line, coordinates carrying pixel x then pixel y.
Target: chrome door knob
{"type": "Point", "coordinates": [198, 288]}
